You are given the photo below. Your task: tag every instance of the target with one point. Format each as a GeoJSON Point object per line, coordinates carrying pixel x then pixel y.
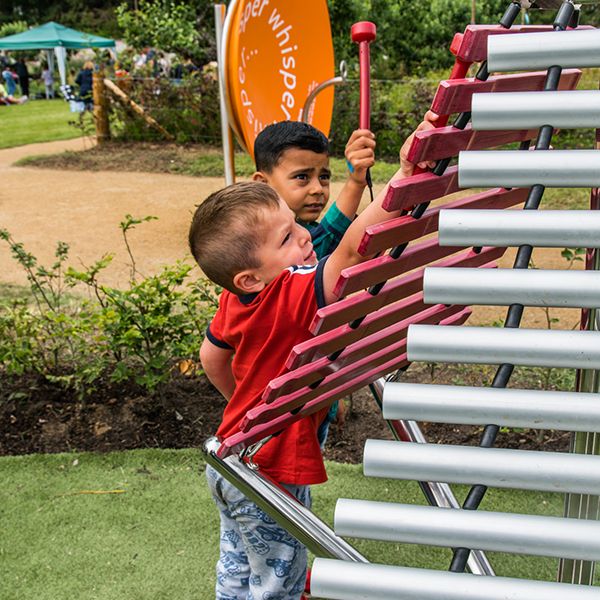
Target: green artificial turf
{"type": "Point", "coordinates": [141, 525]}
{"type": "Point", "coordinates": [36, 121]}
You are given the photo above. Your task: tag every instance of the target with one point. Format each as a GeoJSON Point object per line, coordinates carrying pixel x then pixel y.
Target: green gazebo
{"type": "Point", "coordinates": [53, 36]}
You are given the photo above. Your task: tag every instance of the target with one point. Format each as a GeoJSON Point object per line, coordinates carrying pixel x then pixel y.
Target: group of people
{"type": "Point", "coordinates": [18, 75]}
{"type": "Point", "coordinates": [261, 241]}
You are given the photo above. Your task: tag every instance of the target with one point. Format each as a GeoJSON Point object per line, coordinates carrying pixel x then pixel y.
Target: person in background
{"type": "Point", "coordinates": [9, 81]}
{"type": "Point", "coordinates": [23, 74]}
{"type": "Point", "coordinates": [48, 80]}
{"type": "Point", "coordinates": [84, 81]}
{"type": "Point", "coordinates": [6, 99]}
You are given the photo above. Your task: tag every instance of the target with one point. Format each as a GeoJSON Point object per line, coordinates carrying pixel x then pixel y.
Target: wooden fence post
{"type": "Point", "coordinates": [100, 108]}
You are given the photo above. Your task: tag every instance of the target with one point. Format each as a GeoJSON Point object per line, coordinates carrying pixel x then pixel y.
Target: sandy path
{"type": "Point", "coordinates": [40, 207]}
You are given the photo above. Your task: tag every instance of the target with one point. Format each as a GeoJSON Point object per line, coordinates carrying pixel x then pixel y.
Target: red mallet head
{"type": "Point", "coordinates": [363, 31]}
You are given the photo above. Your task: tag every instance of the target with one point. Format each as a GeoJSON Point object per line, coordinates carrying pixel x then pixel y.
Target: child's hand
{"type": "Point", "coordinates": [407, 167]}
{"type": "Point", "coordinates": [360, 154]}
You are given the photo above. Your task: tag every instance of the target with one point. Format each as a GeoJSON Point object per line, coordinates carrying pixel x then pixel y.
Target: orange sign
{"type": "Point", "coordinates": [276, 52]}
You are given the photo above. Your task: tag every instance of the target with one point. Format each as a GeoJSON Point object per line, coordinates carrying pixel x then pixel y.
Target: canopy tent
{"type": "Point", "coordinates": [53, 36]}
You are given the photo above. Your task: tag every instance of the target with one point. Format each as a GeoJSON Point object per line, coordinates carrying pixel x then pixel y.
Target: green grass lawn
{"type": "Point", "coordinates": [36, 121]}
{"type": "Point", "coordinates": [141, 525]}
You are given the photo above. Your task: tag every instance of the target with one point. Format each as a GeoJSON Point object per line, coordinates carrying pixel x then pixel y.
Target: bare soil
{"type": "Point", "coordinates": [42, 206]}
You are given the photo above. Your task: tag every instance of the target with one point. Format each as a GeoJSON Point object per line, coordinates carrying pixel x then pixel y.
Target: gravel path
{"type": "Point", "coordinates": [40, 207]}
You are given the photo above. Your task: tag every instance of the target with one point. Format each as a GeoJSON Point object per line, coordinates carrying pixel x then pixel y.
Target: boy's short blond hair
{"type": "Point", "coordinates": [226, 230]}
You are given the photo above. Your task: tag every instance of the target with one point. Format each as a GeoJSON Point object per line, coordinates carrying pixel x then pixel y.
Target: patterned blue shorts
{"type": "Point", "coordinates": [258, 559]}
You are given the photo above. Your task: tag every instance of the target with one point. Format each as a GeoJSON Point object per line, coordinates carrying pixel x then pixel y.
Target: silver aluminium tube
{"type": "Point", "coordinates": [533, 51]}
{"type": "Point", "coordinates": [496, 346]}
{"type": "Point", "coordinates": [539, 228]}
{"type": "Point", "coordinates": [509, 407]}
{"type": "Point", "coordinates": [494, 467]}
{"type": "Point", "coordinates": [529, 110]}
{"type": "Point", "coordinates": [293, 516]}
{"type": "Point", "coordinates": [455, 528]}
{"type": "Point", "coordinates": [503, 287]}
{"type": "Point", "coordinates": [338, 580]}
{"type": "Point", "coordinates": [440, 493]}
{"type": "Point", "coordinates": [514, 168]}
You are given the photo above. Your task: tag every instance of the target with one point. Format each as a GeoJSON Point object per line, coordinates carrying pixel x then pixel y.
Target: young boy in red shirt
{"type": "Point", "coordinates": [293, 158]}
{"type": "Point", "coordinates": [246, 239]}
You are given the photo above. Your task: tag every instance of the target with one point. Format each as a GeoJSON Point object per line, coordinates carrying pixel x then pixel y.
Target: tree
{"type": "Point", "coordinates": [185, 28]}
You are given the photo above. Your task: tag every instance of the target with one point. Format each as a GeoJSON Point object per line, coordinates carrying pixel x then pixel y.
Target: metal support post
{"type": "Point", "coordinates": [226, 134]}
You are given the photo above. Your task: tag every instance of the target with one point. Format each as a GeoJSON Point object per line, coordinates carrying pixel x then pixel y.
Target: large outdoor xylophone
{"type": "Point", "coordinates": [390, 313]}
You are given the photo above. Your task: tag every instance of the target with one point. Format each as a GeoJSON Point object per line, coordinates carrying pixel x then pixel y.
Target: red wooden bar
{"type": "Point", "coordinates": [363, 303]}
{"type": "Point", "coordinates": [339, 338]}
{"type": "Point", "coordinates": [471, 46]}
{"type": "Point", "coordinates": [404, 229]}
{"type": "Point", "coordinates": [454, 95]}
{"type": "Point", "coordinates": [238, 442]}
{"type": "Point", "coordinates": [383, 268]}
{"type": "Point", "coordinates": [322, 367]}
{"type": "Point", "coordinates": [405, 193]}
{"type": "Point", "coordinates": [445, 142]}
{"type": "Point", "coordinates": [291, 402]}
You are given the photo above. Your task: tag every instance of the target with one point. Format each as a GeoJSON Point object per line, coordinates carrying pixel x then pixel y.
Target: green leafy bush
{"type": "Point", "coordinates": [139, 333]}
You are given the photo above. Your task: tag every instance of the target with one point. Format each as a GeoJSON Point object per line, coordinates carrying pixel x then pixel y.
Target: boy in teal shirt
{"type": "Point", "coordinates": [293, 158]}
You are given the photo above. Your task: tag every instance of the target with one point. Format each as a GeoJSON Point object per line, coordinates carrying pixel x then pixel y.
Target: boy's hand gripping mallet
{"type": "Point", "coordinates": [363, 33]}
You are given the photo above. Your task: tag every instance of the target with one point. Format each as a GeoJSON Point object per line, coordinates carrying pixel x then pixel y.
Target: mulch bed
{"type": "Point", "coordinates": [36, 416]}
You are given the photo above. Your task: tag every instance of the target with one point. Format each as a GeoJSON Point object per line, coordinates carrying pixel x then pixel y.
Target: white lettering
{"type": "Point", "coordinates": [288, 99]}
{"type": "Point", "coordinates": [289, 62]}
{"type": "Point", "coordinates": [264, 3]}
{"type": "Point", "coordinates": [245, 100]}
{"type": "Point", "coordinates": [275, 20]}
{"type": "Point", "coordinates": [286, 33]}
{"type": "Point", "coordinates": [285, 110]}
{"type": "Point", "coordinates": [289, 79]}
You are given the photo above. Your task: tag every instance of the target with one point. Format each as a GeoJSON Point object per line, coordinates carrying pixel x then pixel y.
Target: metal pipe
{"type": "Point", "coordinates": [338, 580]}
{"type": "Point", "coordinates": [226, 134]}
{"type": "Point", "coordinates": [495, 467]}
{"type": "Point", "coordinates": [495, 346]}
{"type": "Point", "coordinates": [514, 168]}
{"type": "Point", "coordinates": [436, 493]}
{"type": "Point", "coordinates": [447, 527]}
{"type": "Point", "coordinates": [503, 287]}
{"type": "Point", "coordinates": [565, 411]}
{"type": "Point", "coordinates": [526, 110]}
{"type": "Point", "coordinates": [323, 86]}
{"type": "Point", "coordinates": [292, 515]}
{"type": "Point", "coordinates": [545, 229]}
{"type": "Point", "coordinates": [534, 51]}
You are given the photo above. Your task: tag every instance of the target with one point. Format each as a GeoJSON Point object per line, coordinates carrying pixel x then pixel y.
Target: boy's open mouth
{"type": "Point", "coordinates": [315, 206]}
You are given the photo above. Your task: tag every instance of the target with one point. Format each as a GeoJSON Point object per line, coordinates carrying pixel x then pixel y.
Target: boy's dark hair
{"type": "Point", "coordinates": [275, 139]}
{"type": "Point", "coordinates": [227, 229]}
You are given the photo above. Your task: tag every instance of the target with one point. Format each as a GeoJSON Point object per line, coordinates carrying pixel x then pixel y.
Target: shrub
{"type": "Point", "coordinates": [137, 334]}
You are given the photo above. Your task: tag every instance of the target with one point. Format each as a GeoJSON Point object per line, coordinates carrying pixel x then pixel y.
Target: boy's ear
{"type": "Point", "coordinates": [260, 176]}
{"type": "Point", "coordinates": [247, 282]}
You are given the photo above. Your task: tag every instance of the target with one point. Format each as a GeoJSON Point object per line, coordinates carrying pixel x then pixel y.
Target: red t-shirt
{"type": "Point", "coordinates": [261, 329]}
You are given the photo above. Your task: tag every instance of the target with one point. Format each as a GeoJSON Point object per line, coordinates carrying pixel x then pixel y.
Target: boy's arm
{"type": "Point", "coordinates": [216, 363]}
{"type": "Point", "coordinates": [360, 154]}
{"type": "Point", "coordinates": [346, 254]}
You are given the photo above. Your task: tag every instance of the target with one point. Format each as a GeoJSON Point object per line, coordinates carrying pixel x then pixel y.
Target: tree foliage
{"type": "Point", "coordinates": [170, 25]}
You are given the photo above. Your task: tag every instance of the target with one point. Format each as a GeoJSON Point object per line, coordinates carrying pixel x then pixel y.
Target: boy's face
{"type": "Point", "coordinates": [301, 178]}
{"type": "Point", "coordinates": [285, 244]}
